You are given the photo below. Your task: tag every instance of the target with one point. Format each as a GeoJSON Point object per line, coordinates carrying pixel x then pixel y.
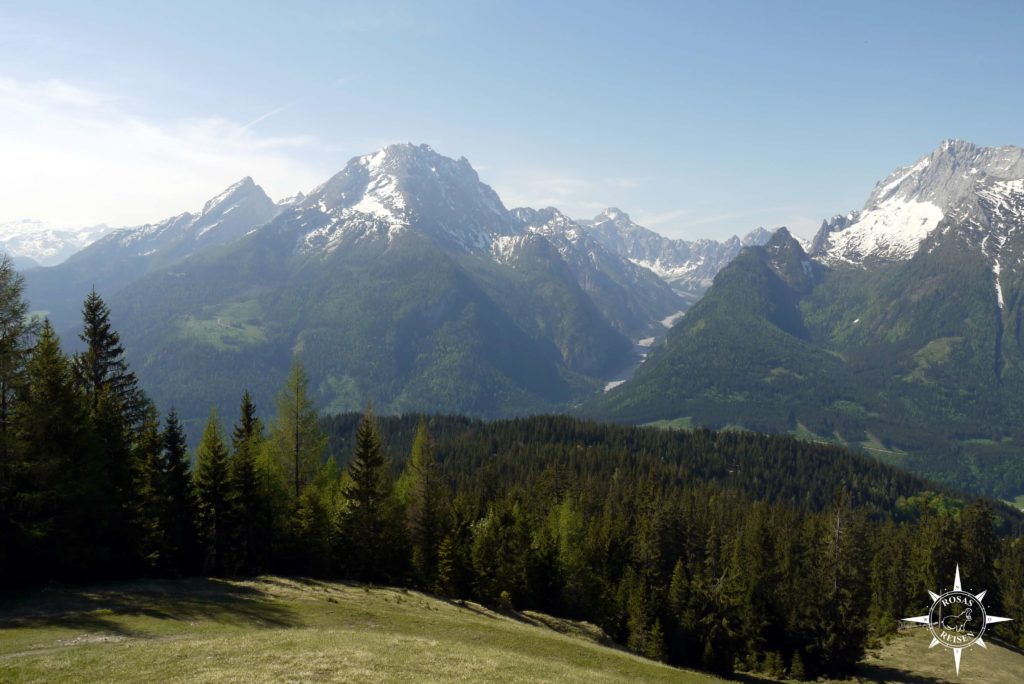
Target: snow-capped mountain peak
{"type": "Point", "coordinates": [402, 187]}
{"type": "Point", "coordinates": [231, 195]}
{"type": "Point", "coordinates": [614, 214]}
{"type": "Point", "coordinates": [758, 236]}
{"type": "Point", "coordinates": [908, 206]}
{"type": "Point", "coordinates": [228, 215]}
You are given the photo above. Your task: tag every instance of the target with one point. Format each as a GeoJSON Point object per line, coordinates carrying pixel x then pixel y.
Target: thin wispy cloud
{"type": "Point", "coordinates": [74, 156]}
{"type": "Point", "coordinates": [344, 80]}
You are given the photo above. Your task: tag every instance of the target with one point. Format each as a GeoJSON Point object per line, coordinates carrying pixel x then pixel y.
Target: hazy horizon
{"type": "Point", "coordinates": [125, 115]}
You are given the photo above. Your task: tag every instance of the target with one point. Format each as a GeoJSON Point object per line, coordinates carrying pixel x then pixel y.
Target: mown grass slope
{"type": "Point", "coordinates": [272, 629]}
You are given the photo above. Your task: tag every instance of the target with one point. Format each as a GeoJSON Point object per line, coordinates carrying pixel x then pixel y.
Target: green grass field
{"type": "Point", "coordinates": [271, 630]}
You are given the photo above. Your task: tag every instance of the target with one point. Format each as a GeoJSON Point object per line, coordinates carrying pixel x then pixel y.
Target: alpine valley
{"type": "Point", "coordinates": [899, 331]}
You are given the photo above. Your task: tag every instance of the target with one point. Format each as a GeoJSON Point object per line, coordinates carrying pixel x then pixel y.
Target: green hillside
{"type": "Point", "coordinates": [911, 361]}
{"type": "Point", "coordinates": [272, 629]}
{"type": "Point", "coordinates": [410, 326]}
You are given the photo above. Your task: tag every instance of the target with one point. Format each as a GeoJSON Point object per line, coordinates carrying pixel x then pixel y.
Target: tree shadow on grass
{"type": "Point", "coordinates": [98, 608]}
{"type": "Point", "coordinates": [883, 673]}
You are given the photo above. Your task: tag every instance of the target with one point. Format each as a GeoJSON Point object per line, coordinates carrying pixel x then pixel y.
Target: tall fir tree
{"type": "Point", "coordinates": [117, 408]}
{"type": "Point", "coordinates": [102, 369]}
{"type": "Point", "coordinates": [150, 496]}
{"type": "Point", "coordinates": [213, 490]}
{"type": "Point", "coordinates": [367, 523]}
{"type": "Point", "coordinates": [180, 508]}
{"type": "Point", "coordinates": [249, 505]}
{"type": "Point", "coordinates": [15, 342]}
{"type": "Point", "coordinates": [843, 574]}
{"type": "Point", "coordinates": [58, 489]}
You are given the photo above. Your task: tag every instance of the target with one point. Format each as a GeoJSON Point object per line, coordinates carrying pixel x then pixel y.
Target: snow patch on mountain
{"type": "Point", "coordinates": [226, 216]}
{"type": "Point", "coordinates": [405, 186]}
{"type": "Point", "coordinates": [953, 185]}
{"type": "Point", "coordinates": [892, 230]}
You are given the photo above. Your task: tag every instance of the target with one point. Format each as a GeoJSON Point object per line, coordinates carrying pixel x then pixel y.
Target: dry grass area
{"type": "Point", "coordinates": [284, 630]}
{"type": "Point", "coordinates": [907, 659]}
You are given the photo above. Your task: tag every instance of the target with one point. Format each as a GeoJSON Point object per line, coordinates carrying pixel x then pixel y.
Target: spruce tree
{"type": "Point", "coordinates": [15, 339]}
{"type": "Point", "coordinates": [366, 524]}
{"type": "Point", "coordinates": [101, 369]}
{"type": "Point", "coordinates": [58, 491]}
{"type": "Point", "coordinates": [978, 550]}
{"type": "Point", "coordinates": [15, 342]}
{"type": "Point", "coordinates": [843, 575]}
{"type": "Point", "coordinates": [117, 408]}
{"type": "Point", "coordinates": [213, 489]}
{"type": "Point", "coordinates": [454, 562]}
{"type": "Point", "coordinates": [150, 497]}
{"type": "Point", "coordinates": [180, 507]}
{"type": "Point", "coordinates": [248, 504]}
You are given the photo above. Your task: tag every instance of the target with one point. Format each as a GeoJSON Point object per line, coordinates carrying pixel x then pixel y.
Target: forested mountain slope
{"type": "Point", "coordinates": [916, 354]}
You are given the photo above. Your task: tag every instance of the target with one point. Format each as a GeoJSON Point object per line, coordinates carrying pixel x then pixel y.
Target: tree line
{"type": "Point", "coordinates": [722, 550]}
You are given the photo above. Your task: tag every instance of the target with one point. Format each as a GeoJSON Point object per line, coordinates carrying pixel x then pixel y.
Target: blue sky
{"type": "Point", "coordinates": [701, 119]}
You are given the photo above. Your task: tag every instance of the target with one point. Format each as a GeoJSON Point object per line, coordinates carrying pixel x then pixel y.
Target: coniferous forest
{"type": "Point", "coordinates": [722, 550]}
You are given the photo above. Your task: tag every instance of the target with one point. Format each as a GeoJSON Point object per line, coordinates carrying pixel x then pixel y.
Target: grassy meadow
{"type": "Point", "coordinates": [273, 629]}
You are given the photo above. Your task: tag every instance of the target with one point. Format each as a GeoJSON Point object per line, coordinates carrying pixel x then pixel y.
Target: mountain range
{"type": "Point", "coordinates": [402, 279]}
{"type": "Point", "coordinates": [688, 266]}
{"type": "Point", "coordinates": [405, 281]}
{"type": "Point", "coordinates": [32, 243]}
{"type": "Point", "coordinates": [899, 331]}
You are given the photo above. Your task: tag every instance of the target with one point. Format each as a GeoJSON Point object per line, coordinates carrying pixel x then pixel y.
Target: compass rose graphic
{"type": "Point", "coordinates": [957, 619]}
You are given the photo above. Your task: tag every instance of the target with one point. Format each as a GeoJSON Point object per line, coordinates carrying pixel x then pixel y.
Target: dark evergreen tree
{"type": "Point", "coordinates": [979, 548]}
{"type": "Point", "coordinates": [249, 507]}
{"type": "Point", "coordinates": [101, 369]}
{"type": "Point", "coordinates": [368, 522]}
{"type": "Point", "coordinates": [843, 573]}
{"type": "Point", "coordinates": [213, 489]}
{"type": "Point", "coordinates": [454, 562]}
{"type": "Point", "coordinates": [150, 494]}
{"type": "Point", "coordinates": [180, 510]}
{"type": "Point", "coordinates": [15, 341]}
{"type": "Point", "coordinates": [57, 487]}
{"type": "Point", "coordinates": [117, 408]}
